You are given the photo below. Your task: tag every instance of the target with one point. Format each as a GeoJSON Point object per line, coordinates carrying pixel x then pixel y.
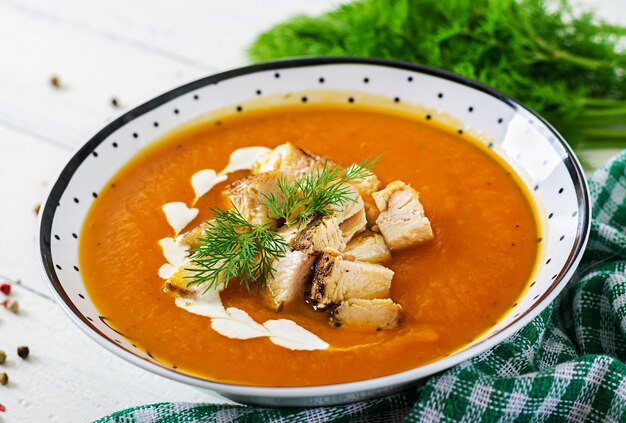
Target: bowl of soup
{"type": "Point", "coordinates": [314, 231]}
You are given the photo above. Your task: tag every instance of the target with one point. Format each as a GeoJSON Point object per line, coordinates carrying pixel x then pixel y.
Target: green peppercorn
{"type": "Point", "coordinates": [55, 81]}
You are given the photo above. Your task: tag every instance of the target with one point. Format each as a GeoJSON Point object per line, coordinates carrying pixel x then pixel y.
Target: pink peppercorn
{"type": "Point", "coordinates": [2, 408]}
{"type": "Point", "coordinates": [5, 288]}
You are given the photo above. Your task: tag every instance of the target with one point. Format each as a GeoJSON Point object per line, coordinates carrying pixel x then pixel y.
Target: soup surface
{"type": "Point", "coordinates": [457, 285]}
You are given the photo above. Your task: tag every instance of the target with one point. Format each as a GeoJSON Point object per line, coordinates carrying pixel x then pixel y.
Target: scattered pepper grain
{"type": "Point", "coordinates": [115, 102]}
{"type": "Point", "coordinates": [37, 208]}
{"type": "Point", "coordinates": [4, 378]}
{"type": "Point", "coordinates": [23, 351]}
{"type": "Point", "coordinates": [55, 81]}
{"type": "Point", "coordinates": [5, 288]}
{"type": "Point", "coordinates": [3, 357]}
{"type": "Point", "coordinates": [11, 305]}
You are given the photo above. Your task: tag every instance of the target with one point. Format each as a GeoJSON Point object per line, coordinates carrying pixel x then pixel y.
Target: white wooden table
{"type": "Point", "coordinates": [130, 50]}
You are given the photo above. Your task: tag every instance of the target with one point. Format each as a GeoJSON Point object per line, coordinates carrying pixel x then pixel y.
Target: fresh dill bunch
{"type": "Point", "coordinates": [320, 192]}
{"type": "Point", "coordinates": [570, 67]}
{"type": "Point", "coordinates": [234, 248]}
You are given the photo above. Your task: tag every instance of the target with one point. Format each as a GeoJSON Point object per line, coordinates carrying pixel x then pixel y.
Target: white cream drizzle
{"type": "Point", "coordinates": [237, 324]}
{"type": "Point", "coordinates": [231, 322]}
{"type": "Point", "coordinates": [244, 159]}
{"type": "Point", "coordinates": [289, 334]}
{"type": "Point", "coordinates": [166, 271]}
{"type": "Point", "coordinates": [174, 251]}
{"type": "Point", "coordinates": [178, 215]}
{"type": "Point", "coordinates": [204, 180]}
{"type": "Point", "coordinates": [208, 304]}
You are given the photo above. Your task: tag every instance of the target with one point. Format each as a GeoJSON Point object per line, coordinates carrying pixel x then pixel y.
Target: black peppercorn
{"type": "Point", "coordinates": [23, 351]}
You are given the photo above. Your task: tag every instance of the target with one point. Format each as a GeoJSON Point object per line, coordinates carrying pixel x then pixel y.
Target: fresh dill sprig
{"type": "Point", "coordinates": [570, 67]}
{"type": "Point", "coordinates": [320, 192]}
{"type": "Point", "coordinates": [234, 248]}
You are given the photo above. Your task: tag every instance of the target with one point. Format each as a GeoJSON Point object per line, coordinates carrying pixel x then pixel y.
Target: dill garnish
{"type": "Point", "coordinates": [234, 248]}
{"type": "Point", "coordinates": [320, 192]}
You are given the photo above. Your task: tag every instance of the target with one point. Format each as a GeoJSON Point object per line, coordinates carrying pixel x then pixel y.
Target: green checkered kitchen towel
{"type": "Point", "coordinates": [566, 365]}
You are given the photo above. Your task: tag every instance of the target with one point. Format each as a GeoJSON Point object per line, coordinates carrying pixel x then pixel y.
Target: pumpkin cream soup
{"type": "Point", "coordinates": [308, 245]}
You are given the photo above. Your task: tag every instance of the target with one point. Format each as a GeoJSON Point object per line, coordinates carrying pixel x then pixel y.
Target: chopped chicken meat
{"type": "Point", "coordinates": [321, 234]}
{"type": "Point", "coordinates": [368, 246]}
{"type": "Point", "coordinates": [290, 275]}
{"type": "Point", "coordinates": [192, 238]}
{"type": "Point", "coordinates": [401, 221]}
{"type": "Point", "coordinates": [369, 314]}
{"type": "Point", "coordinates": [248, 195]}
{"type": "Point", "coordinates": [290, 160]}
{"type": "Point", "coordinates": [336, 279]}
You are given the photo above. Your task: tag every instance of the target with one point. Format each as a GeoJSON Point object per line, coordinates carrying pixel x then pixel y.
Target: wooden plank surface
{"type": "Point", "coordinates": [98, 50]}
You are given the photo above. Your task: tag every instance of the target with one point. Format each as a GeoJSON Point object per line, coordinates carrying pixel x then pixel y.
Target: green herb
{"type": "Point", "coordinates": [568, 67]}
{"type": "Point", "coordinates": [320, 192]}
{"type": "Point", "coordinates": [233, 248]}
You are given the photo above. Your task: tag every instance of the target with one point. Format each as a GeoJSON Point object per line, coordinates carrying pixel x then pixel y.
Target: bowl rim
{"type": "Point", "coordinates": [46, 218]}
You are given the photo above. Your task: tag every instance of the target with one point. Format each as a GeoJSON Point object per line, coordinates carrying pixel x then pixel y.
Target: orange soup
{"type": "Point", "coordinates": [451, 289]}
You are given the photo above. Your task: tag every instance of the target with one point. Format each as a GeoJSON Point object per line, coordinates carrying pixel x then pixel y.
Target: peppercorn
{"type": "Point", "coordinates": [11, 305]}
{"type": "Point", "coordinates": [115, 102]}
{"type": "Point", "coordinates": [3, 357]}
{"type": "Point", "coordinates": [5, 288]}
{"type": "Point", "coordinates": [55, 81]}
{"type": "Point", "coordinates": [4, 378]}
{"type": "Point", "coordinates": [23, 351]}
{"type": "Point", "coordinates": [2, 408]}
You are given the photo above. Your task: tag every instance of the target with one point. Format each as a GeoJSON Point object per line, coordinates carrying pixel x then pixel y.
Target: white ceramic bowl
{"type": "Point", "coordinates": [522, 138]}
